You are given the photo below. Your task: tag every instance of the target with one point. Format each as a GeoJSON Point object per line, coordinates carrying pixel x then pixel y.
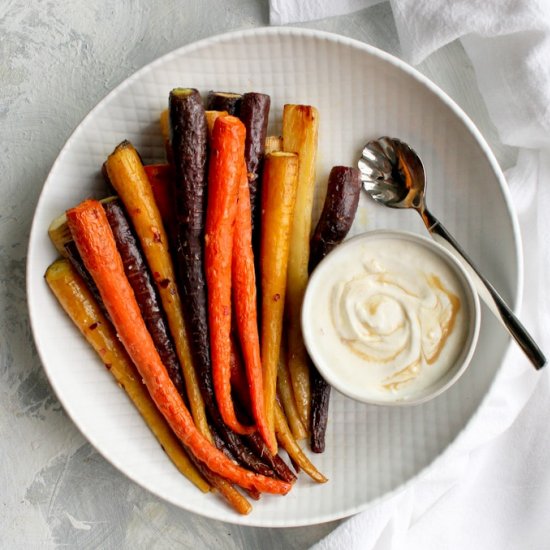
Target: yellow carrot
{"type": "Point", "coordinates": [60, 234]}
{"type": "Point", "coordinates": [278, 199]}
{"type": "Point", "coordinates": [286, 394]}
{"type": "Point", "coordinates": [288, 443]}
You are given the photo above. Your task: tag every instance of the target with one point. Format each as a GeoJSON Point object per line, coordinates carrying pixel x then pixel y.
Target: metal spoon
{"type": "Point", "coordinates": [393, 175]}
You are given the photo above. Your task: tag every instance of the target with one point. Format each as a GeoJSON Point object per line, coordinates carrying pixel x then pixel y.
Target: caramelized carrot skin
{"type": "Point", "coordinates": [97, 247]}
{"type": "Point", "coordinates": [244, 292]}
{"type": "Point", "coordinates": [226, 160]}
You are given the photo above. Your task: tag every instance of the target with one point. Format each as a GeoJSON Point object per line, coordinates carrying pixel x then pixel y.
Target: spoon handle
{"type": "Point", "coordinates": [487, 291]}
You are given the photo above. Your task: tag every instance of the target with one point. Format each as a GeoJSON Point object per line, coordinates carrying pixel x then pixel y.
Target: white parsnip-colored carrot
{"type": "Point", "coordinates": [300, 130]}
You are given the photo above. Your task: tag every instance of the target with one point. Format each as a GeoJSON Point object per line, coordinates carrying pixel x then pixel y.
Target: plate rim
{"type": "Point", "coordinates": [230, 516]}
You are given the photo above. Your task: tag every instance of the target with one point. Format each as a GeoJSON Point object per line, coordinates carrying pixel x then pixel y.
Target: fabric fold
{"type": "Point", "coordinates": [508, 43]}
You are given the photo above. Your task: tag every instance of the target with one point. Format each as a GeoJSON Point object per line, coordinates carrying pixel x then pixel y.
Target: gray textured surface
{"type": "Point", "coordinates": [58, 59]}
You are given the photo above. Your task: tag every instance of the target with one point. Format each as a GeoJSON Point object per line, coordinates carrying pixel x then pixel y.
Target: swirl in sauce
{"type": "Point", "coordinates": [395, 318]}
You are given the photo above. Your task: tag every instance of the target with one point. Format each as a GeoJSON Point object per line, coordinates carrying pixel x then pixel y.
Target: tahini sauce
{"type": "Point", "coordinates": [390, 317]}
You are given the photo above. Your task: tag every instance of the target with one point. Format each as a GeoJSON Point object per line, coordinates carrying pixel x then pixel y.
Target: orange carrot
{"type": "Point", "coordinates": [226, 161]}
{"type": "Point", "coordinates": [95, 242]}
{"type": "Point", "coordinates": [244, 293]}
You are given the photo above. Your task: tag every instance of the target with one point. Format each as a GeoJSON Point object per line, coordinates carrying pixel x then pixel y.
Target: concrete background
{"type": "Point", "coordinates": [57, 60]}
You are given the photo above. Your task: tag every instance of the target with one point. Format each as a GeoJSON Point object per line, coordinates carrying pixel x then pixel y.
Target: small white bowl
{"type": "Point", "coordinates": [316, 290]}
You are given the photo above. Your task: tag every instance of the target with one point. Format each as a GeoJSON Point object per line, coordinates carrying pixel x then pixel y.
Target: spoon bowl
{"type": "Point", "coordinates": [392, 173]}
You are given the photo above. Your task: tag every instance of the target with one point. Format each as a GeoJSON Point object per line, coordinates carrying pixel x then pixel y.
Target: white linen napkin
{"type": "Point", "coordinates": [492, 488]}
{"type": "Point", "coordinates": [282, 12]}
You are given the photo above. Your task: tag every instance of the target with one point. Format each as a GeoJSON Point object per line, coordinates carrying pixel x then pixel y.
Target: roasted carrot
{"type": "Point", "coordinates": [278, 200]}
{"type": "Point", "coordinates": [320, 400]}
{"type": "Point", "coordinates": [238, 380]}
{"type": "Point", "coordinates": [339, 209]}
{"type": "Point", "coordinates": [244, 294]}
{"type": "Point", "coordinates": [161, 178]}
{"type": "Point", "coordinates": [286, 395]}
{"type": "Point", "coordinates": [300, 129]}
{"type": "Point", "coordinates": [288, 443]}
{"type": "Point", "coordinates": [128, 177]}
{"type": "Point", "coordinates": [221, 445]}
{"type": "Point", "coordinates": [243, 271]}
{"type": "Point", "coordinates": [224, 101]}
{"type": "Point", "coordinates": [61, 238]}
{"type": "Point", "coordinates": [253, 110]}
{"type": "Point", "coordinates": [79, 304]}
{"type": "Point", "coordinates": [242, 452]}
{"type": "Point", "coordinates": [341, 201]}
{"type": "Point", "coordinates": [164, 121]}
{"type": "Point", "coordinates": [189, 140]}
{"type": "Point", "coordinates": [226, 162]}
{"type": "Point", "coordinates": [147, 298]}
{"type": "Point", "coordinates": [254, 113]}
{"type": "Point", "coordinates": [97, 248]}
{"type": "Point", "coordinates": [228, 452]}
{"type": "Point", "coordinates": [253, 494]}
{"type": "Point", "coordinates": [59, 234]}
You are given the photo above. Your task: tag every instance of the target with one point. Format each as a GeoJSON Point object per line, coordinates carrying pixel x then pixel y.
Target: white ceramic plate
{"type": "Point", "coordinates": [361, 93]}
